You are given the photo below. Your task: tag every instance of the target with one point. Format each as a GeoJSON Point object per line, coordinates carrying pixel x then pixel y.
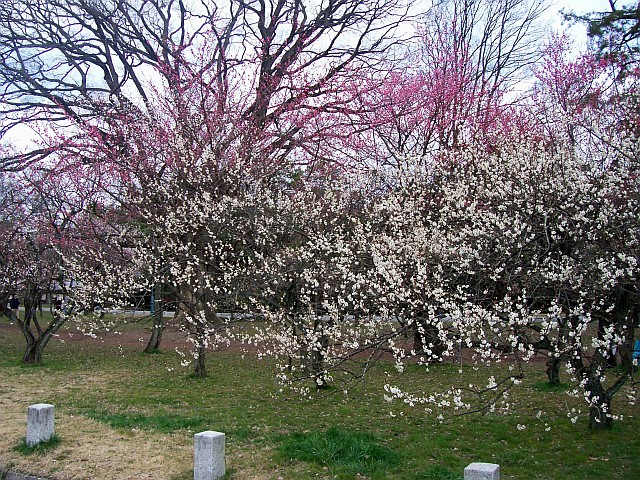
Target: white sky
{"type": "Point", "coordinates": [581, 6]}
{"type": "Point", "coordinates": [553, 15]}
{"type": "Point", "coordinates": [578, 6]}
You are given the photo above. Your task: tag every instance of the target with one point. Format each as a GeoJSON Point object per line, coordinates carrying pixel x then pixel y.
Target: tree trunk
{"type": "Point", "coordinates": [600, 417]}
{"type": "Point", "coordinates": [553, 370]}
{"type": "Point", "coordinates": [199, 318]}
{"type": "Point", "coordinates": [625, 316]}
{"type": "Point", "coordinates": [36, 344]}
{"type": "Point", "coordinates": [200, 370]}
{"type": "Point", "coordinates": [600, 410]}
{"type": "Point", "coordinates": [294, 333]}
{"type": "Point", "coordinates": [158, 321]}
{"type": "Point", "coordinates": [156, 336]}
{"type": "Point", "coordinates": [202, 337]}
{"type": "Point", "coordinates": [317, 365]}
{"type": "Point", "coordinates": [35, 334]}
{"type": "Point", "coordinates": [418, 340]}
{"type": "Point", "coordinates": [554, 363]}
{"type": "Point", "coordinates": [318, 353]}
{"type": "Point", "coordinates": [33, 352]}
{"type": "Point", "coordinates": [426, 341]}
{"type": "Point", "coordinates": [600, 402]}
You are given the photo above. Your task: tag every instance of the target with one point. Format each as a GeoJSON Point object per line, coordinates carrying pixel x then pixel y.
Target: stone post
{"type": "Point", "coordinates": [39, 423]}
{"type": "Point", "coordinates": [208, 456]}
{"type": "Point", "coordinates": [482, 471]}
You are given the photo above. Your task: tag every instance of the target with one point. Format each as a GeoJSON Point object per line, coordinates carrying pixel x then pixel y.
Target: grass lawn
{"type": "Point", "coordinates": [124, 415]}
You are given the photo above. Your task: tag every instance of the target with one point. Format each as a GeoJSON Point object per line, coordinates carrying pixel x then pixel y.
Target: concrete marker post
{"type": "Point", "coordinates": [208, 456]}
{"type": "Point", "coordinates": [482, 471]}
{"type": "Point", "coordinates": [40, 423]}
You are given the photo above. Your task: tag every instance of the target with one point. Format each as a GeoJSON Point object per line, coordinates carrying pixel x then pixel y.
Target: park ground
{"type": "Point", "coordinates": [121, 414]}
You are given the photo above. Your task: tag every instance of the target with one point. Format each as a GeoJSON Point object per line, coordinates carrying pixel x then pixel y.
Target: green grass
{"type": "Point", "coordinates": [124, 389]}
{"type": "Point", "coordinates": [160, 422]}
{"type": "Point", "coordinates": [437, 472]}
{"type": "Point", "coordinates": [43, 447]}
{"type": "Point", "coordinates": [156, 351]}
{"type": "Point", "coordinates": [343, 451]}
{"type": "Point", "coordinates": [550, 387]}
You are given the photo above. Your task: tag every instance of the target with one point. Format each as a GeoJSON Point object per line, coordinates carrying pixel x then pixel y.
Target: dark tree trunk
{"type": "Point", "coordinates": [600, 417]}
{"type": "Point", "coordinates": [156, 336]}
{"type": "Point", "coordinates": [426, 341]}
{"type": "Point", "coordinates": [33, 352]}
{"type": "Point", "coordinates": [553, 370]}
{"type": "Point", "coordinates": [318, 354]}
{"type": "Point", "coordinates": [600, 411]}
{"type": "Point", "coordinates": [158, 322]}
{"type": "Point", "coordinates": [600, 399]}
{"type": "Point", "coordinates": [36, 344]}
{"type": "Point", "coordinates": [294, 333]}
{"type": "Point", "coordinates": [317, 365]}
{"type": "Point", "coordinates": [202, 330]}
{"type": "Point", "coordinates": [554, 362]}
{"type": "Point", "coordinates": [200, 370]}
{"type": "Point", "coordinates": [36, 335]}
{"type": "Point", "coordinates": [418, 340]}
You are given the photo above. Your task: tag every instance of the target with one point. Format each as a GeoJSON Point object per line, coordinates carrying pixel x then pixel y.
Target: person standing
{"type": "Point", "coordinates": [14, 304]}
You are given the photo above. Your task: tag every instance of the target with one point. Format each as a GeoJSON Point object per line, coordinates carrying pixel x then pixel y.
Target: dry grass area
{"type": "Point", "coordinates": [92, 450]}
{"type": "Point", "coordinates": [88, 448]}
{"type": "Point", "coordinates": [100, 451]}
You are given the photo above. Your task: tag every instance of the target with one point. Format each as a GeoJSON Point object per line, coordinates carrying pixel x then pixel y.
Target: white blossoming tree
{"type": "Point", "coordinates": [539, 249]}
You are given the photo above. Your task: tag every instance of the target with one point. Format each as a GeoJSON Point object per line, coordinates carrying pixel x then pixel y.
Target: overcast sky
{"type": "Point", "coordinates": [553, 15]}
{"type": "Point", "coordinates": [578, 6]}
{"type": "Point", "coordinates": [581, 6]}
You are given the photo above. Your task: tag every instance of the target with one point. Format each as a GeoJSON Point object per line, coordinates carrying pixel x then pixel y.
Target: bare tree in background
{"type": "Point", "coordinates": [502, 35]}
{"type": "Point", "coordinates": [80, 61]}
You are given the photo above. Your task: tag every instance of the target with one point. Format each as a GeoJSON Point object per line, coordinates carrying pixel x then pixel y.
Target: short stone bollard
{"type": "Point", "coordinates": [482, 471]}
{"type": "Point", "coordinates": [208, 456]}
{"type": "Point", "coordinates": [40, 426]}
